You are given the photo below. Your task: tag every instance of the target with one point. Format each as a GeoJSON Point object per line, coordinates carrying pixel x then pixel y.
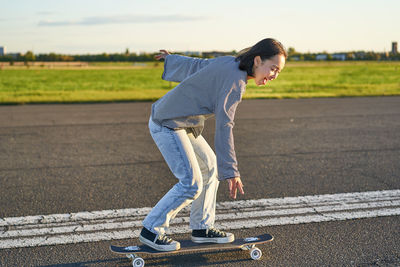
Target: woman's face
{"type": "Point", "coordinates": [267, 70]}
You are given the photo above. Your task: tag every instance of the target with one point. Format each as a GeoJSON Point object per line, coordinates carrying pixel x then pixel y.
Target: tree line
{"type": "Point", "coordinates": [53, 57]}
{"type": "Point", "coordinates": [352, 55]}
{"type": "Point", "coordinates": [293, 55]}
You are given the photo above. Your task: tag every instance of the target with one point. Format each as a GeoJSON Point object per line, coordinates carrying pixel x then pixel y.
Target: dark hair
{"type": "Point", "coordinates": [266, 49]}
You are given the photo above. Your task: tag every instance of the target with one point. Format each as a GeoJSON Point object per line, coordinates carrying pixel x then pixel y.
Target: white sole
{"type": "Point", "coordinates": [218, 240]}
{"type": "Point", "coordinates": [174, 246]}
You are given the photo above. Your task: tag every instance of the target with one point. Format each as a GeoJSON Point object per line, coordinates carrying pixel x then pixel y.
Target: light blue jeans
{"type": "Point", "coordinates": [194, 164]}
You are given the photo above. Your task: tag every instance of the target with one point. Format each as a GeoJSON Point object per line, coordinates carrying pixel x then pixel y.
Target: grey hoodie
{"type": "Point", "coordinates": [208, 87]}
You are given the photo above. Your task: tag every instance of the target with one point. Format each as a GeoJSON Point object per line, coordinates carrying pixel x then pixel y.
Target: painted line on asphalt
{"type": "Point", "coordinates": [112, 224]}
{"type": "Point", "coordinates": [55, 229]}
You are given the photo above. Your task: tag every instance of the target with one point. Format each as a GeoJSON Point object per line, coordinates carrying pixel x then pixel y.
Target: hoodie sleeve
{"type": "Point", "coordinates": [177, 68]}
{"type": "Point", "coordinates": [224, 141]}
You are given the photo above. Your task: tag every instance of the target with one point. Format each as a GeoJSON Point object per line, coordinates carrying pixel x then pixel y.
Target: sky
{"type": "Point", "coordinates": [112, 26]}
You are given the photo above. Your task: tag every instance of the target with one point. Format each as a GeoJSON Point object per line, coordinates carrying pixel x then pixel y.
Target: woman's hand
{"type": "Point", "coordinates": [163, 55]}
{"type": "Point", "coordinates": [234, 185]}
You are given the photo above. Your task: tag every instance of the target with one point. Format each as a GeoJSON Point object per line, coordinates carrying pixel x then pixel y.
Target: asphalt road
{"type": "Point", "coordinates": [72, 158]}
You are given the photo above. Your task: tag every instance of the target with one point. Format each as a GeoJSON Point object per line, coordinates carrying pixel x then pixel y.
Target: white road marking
{"type": "Point", "coordinates": [41, 230]}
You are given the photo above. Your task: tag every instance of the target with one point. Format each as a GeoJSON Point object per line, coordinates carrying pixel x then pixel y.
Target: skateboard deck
{"type": "Point", "coordinates": [188, 246]}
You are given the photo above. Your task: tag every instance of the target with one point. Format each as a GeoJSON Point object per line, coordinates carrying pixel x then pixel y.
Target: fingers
{"type": "Point", "coordinates": [233, 190]}
{"type": "Point", "coordinates": [238, 187]}
{"type": "Point", "coordinates": [230, 185]}
{"type": "Point", "coordinates": [163, 55]}
{"type": "Point", "coordinates": [160, 56]}
{"type": "Point", "coordinates": [241, 188]}
{"type": "Point", "coordinates": [234, 186]}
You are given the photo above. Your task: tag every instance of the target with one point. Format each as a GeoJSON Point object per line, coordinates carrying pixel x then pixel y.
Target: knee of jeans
{"type": "Point", "coordinates": [212, 167]}
{"type": "Point", "coordinates": [192, 191]}
{"type": "Point", "coordinates": [195, 190]}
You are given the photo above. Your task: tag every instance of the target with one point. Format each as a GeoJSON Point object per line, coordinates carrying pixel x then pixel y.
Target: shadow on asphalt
{"type": "Point", "coordinates": [197, 259]}
{"type": "Point", "coordinates": [84, 264]}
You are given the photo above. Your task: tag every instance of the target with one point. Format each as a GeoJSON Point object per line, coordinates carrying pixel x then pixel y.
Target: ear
{"type": "Point", "coordinates": [257, 61]}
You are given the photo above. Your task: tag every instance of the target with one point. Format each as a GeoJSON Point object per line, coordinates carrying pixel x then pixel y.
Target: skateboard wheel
{"type": "Point", "coordinates": [138, 262]}
{"type": "Point", "coordinates": [255, 253]}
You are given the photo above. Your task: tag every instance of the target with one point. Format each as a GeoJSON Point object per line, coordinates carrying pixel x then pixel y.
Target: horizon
{"type": "Point", "coordinates": [188, 52]}
{"type": "Point", "coordinates": [96, 27]}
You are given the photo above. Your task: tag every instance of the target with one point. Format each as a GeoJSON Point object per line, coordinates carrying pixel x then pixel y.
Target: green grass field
{"type": "Point", "coordinates": [106, 82]}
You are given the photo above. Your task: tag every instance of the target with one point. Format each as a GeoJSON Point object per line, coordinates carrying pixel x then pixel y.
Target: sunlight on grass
{"type": "Point", "coordinates": [124, 82]}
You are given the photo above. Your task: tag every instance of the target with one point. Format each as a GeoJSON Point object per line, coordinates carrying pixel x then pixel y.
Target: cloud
{"type": "Point", "coordinates": [120, 19]}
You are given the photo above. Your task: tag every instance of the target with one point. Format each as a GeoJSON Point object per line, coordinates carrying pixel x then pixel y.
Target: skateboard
{"type": "Point", "coordinates": [188, 246]}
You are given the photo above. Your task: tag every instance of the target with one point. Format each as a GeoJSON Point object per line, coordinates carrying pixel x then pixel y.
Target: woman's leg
{"type": "Point", "coordinates": [179, 154]}
{"type": "Point", "coordinates": [202, 215]}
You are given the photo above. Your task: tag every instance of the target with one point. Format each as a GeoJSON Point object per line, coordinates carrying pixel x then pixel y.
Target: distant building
{"type": "Point", "coordinates": [339, 56]}
{"type": "Point", "coordinates": [359, 55]}
{"type": "Point", "coordinates": [294, 58]}
{"type": "Point", "coordinates": [14, 55]}
{"type": "Point", "coordinates": [394, 48]}
{"type": "Point", "coordinates": [2, 50]}
{"type": "Point", "coordinates": [321, 57]}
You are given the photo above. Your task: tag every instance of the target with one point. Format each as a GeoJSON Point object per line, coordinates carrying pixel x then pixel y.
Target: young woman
{"type": "Point", "coordinates": [208, 87]}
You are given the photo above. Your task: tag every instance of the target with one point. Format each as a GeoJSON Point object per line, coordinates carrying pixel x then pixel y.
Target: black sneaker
{"type": "Point", "coordinates": [212, 235]}
{"type": "Point", "coordinates": [158, 242]}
